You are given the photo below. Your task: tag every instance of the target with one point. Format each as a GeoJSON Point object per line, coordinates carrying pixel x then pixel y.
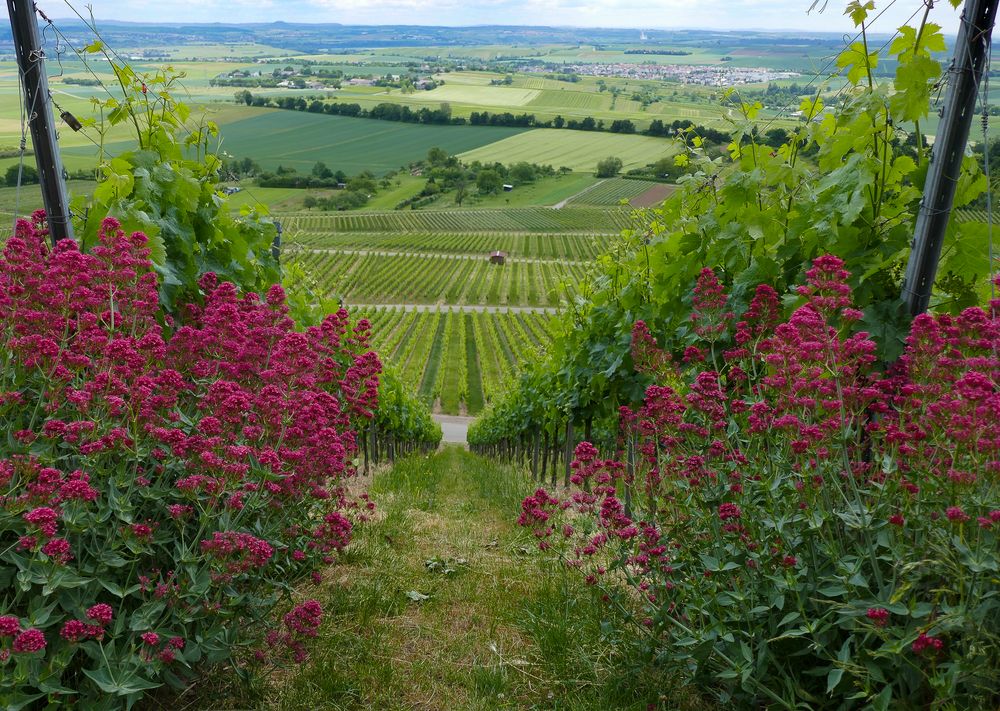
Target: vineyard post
{"type": "Point", "coordinates": [534, 456]}
{"type": "Point", "coordinates": [569, 449]}
{"type": "Point", "coordinates": [31, 63]}
{"type": "Point", "coordinates": [373, 443]}
{"type": "Point", "coordinates": [965, 72]}
{"type": "Point", "coordinates": [545, 453]}
{"type": "Point", "coordinates": [364, 446]}
{"type": "Point", "coordinates": [555, 452]}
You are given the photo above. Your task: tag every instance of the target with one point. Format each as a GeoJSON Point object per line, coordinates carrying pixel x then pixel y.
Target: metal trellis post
{"type": "Point", "coordinates": [31, 61]}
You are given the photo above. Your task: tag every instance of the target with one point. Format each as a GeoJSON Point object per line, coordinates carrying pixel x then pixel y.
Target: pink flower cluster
{"type": "Point", "coordinates": [134, 434]}
{"type": "Point", "coordinates": [300, 624]}
{"type": "Point", "coordinates": [748, 475]}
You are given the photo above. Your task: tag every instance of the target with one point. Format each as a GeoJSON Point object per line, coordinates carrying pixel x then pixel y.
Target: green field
{"type": "Point", "coordinates": [457, 361]}
{"type": "Point", "coordinates": [375, 277]}
{"type": "Point", "coordinates": [530, 245]}
{"type": "Point", "coordinates": [592, 220]}
{"type": "Point", "coordinates": [612, 192]}
{"type": "Point", "coordinates": [578, 150]}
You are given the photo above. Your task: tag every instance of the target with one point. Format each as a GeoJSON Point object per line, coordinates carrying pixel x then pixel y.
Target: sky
{"type": "Point", "coordinates": [641, 14]}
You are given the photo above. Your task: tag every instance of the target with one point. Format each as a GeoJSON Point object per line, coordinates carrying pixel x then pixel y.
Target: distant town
{"type": "Point", "coordinates": [706, 75]}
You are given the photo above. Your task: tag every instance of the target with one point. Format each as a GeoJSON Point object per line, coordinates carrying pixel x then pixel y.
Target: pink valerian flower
{"type": "Point", "coordinates": [878, 615]}
{"type": "Point", "coordinates": [728, 511]}
{"type": "Point", "coordinates": [956, 514]}
{"type": "Point", "coordinates": [9, 625]}
{"type": "Point", "coordinates": [77, 631]}
{"type": "Point", "coordinates": [897, 520]}
{"type": "Point", "coordinates": [301, 623]}
{"type": "Point", "coordinates": [237, 552]}
{"type": "Point", "coordinates": [150, 639]}
{"type": "Point", "coordinates": [58, 550]}
{"type": "Point", "coordinates": [924, 642]}
{"type": "Point", "coordinates": [827, 288]}
{"type": "Point", "coordinates": [142, 531]}
{"type": "Point", "coordinates": [31, 640]}
{"type": "Point", "coordinates": [178, 511]}
{"type": "Point", "coordinates": [101, 613]}
{"type": "Point", "coordinates": [44, 518]}
{"type": "Point", "coordinates": [333, 534]}
{"type": "Point", "coordinates": [708, 310]}
{"type": "Point", "coordinates": [760, 318]}
{"type": "Point", "coordinates": [647, 356]}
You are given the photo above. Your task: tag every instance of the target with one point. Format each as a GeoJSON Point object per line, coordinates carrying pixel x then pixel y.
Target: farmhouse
{"type": "Point", "coordinates": [498, 257]}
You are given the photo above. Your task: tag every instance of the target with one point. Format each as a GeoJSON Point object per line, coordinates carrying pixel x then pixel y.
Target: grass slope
{"type": "Point", "coordinates": [502, 631]}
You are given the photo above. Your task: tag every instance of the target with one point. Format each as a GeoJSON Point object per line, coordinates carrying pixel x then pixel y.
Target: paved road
{"type": "Point", "coordinates": [464, 308]}
{"type": "Point", "coordinates": [454, 429]}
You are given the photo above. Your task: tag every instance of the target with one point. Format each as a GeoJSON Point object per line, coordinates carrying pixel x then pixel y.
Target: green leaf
{"type": "Point", "coordinates": [833, 678]}
{"type": "Point", "coordinates": [128, 683]}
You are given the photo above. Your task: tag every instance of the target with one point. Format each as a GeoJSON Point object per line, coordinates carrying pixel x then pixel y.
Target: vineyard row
{"type": "Point", "coordinates": [596, 220]}
{"type": "Point", "coordinates": [377, 278]}
{"type": "Point", "coordinates": [457, 361]}
{"type": "Point", "coordinates": [532, 246]}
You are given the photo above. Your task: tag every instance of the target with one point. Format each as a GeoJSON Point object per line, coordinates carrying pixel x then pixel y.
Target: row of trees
{"type": "Point", "coordinates": [387, 111]}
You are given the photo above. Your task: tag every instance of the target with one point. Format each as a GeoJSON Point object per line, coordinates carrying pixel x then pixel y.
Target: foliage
{"type": "Point", "coordinates": [165, 482]}
{"type": "Point", "coordinates": [168, 188]}
{"type": "Point", "coordinates": [26, 174]}
{"type": "Point", "coordinates": [609, 167]}
{"type": "Point", "coordinates": [403, 414]}
{"type": "Point", "coordinates": [844, 183]}
{"type": "Point", "coordinates": [800, 530]}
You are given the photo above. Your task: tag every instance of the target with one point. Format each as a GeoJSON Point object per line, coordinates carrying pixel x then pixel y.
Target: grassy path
{"type": "Point", "coordinates": [442, 603]}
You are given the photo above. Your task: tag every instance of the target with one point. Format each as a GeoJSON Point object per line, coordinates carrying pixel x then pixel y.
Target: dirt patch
{"type": "Point", "coordinates": [654, 196]}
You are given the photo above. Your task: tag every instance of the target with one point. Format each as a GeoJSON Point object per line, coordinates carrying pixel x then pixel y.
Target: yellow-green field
{"type": "Point", "coordinates": [577, 150]}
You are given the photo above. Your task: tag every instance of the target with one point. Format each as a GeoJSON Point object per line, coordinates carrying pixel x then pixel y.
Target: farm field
{"type": "Point", "coordinates": [373, 277]}
{"type": "Point", "coordinates": [299, 139]}
{"type": "Point", "coordinates": [577, 150]}
{"type": "Point", "coordinates": [594, 220]}
{"type": "Point", "coordinates": [611, 192]}
{"type": "Point", "coordinates": [532, 245]}
{"type": "Point", "coordinates": [457, 361]}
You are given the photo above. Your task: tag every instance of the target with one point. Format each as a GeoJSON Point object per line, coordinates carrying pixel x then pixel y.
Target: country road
{"type": "Point", "coordinates": [454, 429]}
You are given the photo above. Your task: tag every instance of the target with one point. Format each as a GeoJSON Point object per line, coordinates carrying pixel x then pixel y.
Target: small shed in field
{"type": "Point", "coordinates": [498, 257]}
{"type": "Point", "coordinates": [507, 187]}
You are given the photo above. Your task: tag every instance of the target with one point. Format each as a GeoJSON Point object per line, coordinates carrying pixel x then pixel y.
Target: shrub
{"type": "Point", "coordinates": [609, 167]}
{"type": "Point", "coordinates": [164, 485]}
{"type": "Point", "coordinates": [800, 529]}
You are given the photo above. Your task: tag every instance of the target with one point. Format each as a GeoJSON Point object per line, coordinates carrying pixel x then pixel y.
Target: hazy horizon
{"type": "Point", "coordinates": [719, 15]}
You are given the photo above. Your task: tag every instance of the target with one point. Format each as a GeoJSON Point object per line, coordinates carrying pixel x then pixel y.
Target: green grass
{"type": "Point", "coordinates": [544, 192]}
{"type": "Point", "coordinates": [578, 150]}
{"type": "Point", "coordinates": [298, 139]}
{"type": "Point", "coordinates": [504, 630]}
{"type": "Point", "coordinates": [474, 386]}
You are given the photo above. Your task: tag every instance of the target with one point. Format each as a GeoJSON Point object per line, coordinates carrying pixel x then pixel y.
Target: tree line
{"type": "Point", "coordinates": [443, 115]}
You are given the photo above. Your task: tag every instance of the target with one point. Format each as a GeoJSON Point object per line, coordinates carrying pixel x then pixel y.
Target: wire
{"type": "Point", "coordinates": [848, 40]}
{"type": "Point", "coordinates": [985, 100]}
